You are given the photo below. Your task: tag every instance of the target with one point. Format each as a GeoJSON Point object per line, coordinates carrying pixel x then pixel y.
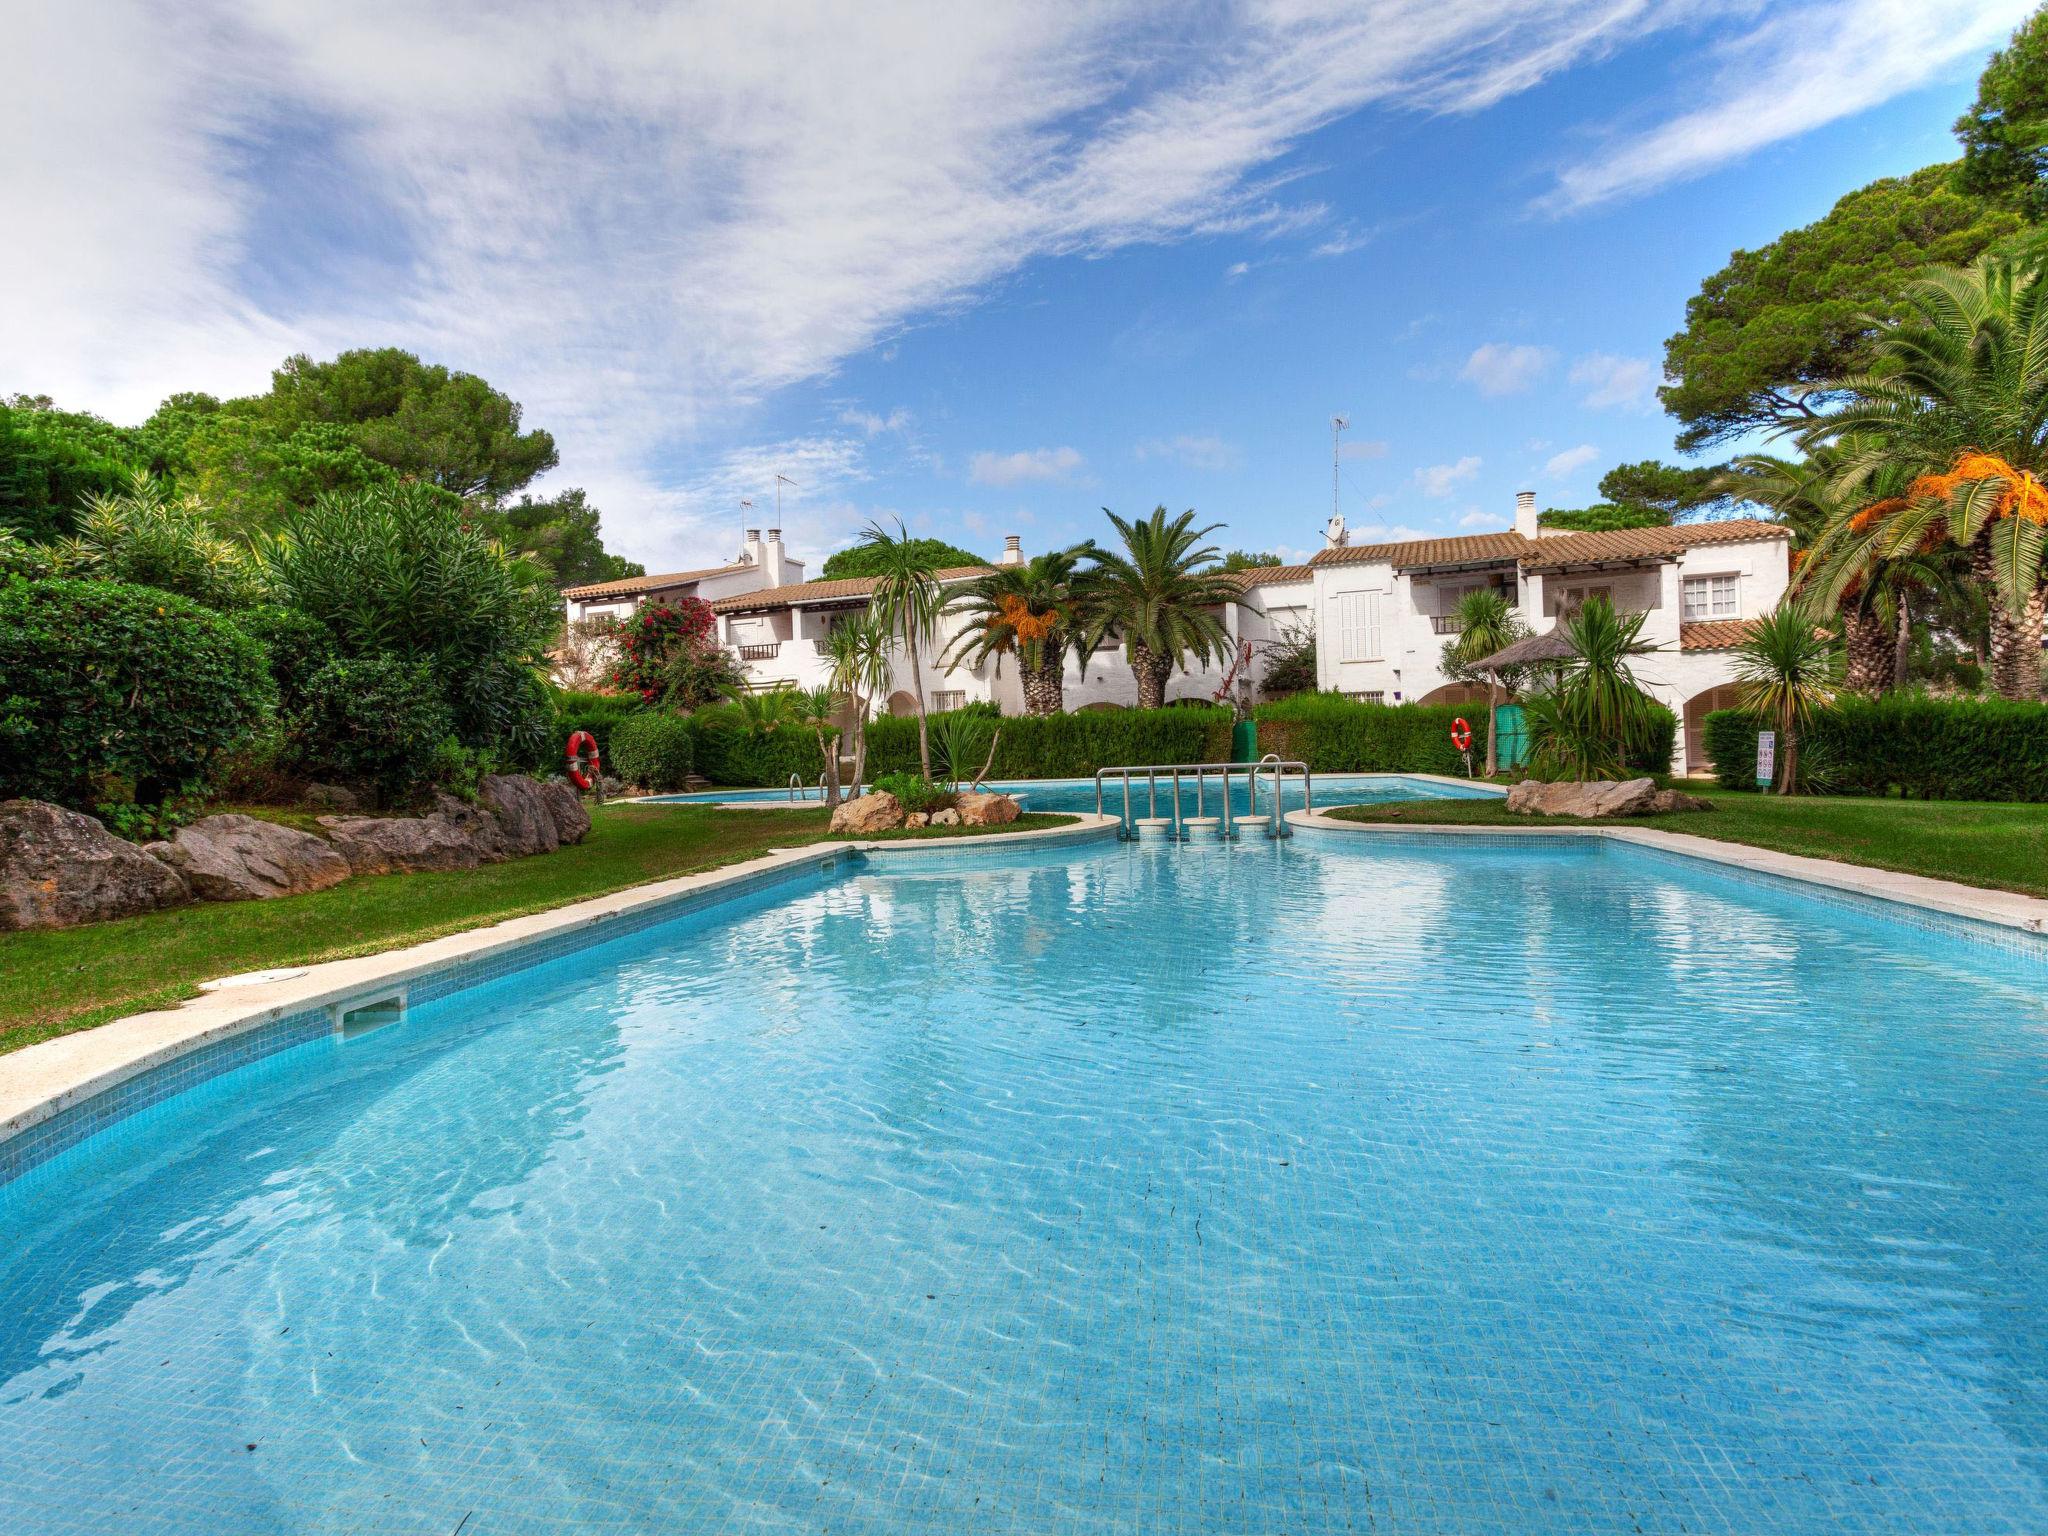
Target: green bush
{"type": "Point", "coordinates": [1656, 754]}
{"type": "Point", "coordinates": [913, 792]}
{"type": "Point", "coordinates": [1071, 746]}
{"type": "Point", "coordinates": [378, 721]}
{"type": "Point", "coordinates": [1333, 734]}
{"type": "Point", "coordinates": [113, 692]}
{"type": "Point", "coordinates": [652, 748]}
{"type": "Point", "coordinates": [1904, 743]}
{"type": "Point", "coordinates": [297, 644]}
{"type": "Point", "coordinates": [735, 756]}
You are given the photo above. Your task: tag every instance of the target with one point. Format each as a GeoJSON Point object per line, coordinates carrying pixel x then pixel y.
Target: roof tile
{"type": "Point", "coordinates": [628, 585]}
{"type": "Point", "coordinates": [1714, 634]}
{"type": "Point", "coordinates": [825, 591]}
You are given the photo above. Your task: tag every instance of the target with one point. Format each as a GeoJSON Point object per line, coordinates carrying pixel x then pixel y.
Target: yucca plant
{"type": "Point", "coordinates": [1595, 719]}
{"type": "Point", "coordinates": [1788, 673]}
{"type": "Point", "coordinates": [966, 740]}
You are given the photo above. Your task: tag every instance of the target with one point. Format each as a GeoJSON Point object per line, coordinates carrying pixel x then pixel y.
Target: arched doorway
{"type": "Point", "coordinates": [1098, 706]}
{"type": "Point", "coordinates": [901, 702]}
{"type": "Point", "coordinates": [1697, 709]}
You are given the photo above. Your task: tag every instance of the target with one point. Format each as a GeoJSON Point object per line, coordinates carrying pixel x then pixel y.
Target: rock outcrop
{"type": "Point", "coordinates": [572, 819]}
{"type": "Point", "coordinates": [1594, 801]}
{"type": "Point", "coordinates": [452, 836]}
{"type": "Point", "coordinates": [526, 818]}
{"type": "Point", "coordinates": [241, 858]}
{"type": "Point", "coordinates": [946, 818]}
{"type": "Point", "coordinates": [875, 812]}
{"type": "Point", "coordinates": [58, 868]}
{"type": "Point", "coordinates": [1601, 801]}
{"type": "Point", "coordinates": [986, 810]}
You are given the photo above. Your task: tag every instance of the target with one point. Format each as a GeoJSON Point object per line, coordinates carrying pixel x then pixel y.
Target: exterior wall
{"type": "Point", "coordinates": [1408, 665]}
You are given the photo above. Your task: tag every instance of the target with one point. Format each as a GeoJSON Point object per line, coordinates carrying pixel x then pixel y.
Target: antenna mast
{"type": "Point", "coordinates": [780, 481]}
{"type": "Point", "coordinates": [1337, 426]}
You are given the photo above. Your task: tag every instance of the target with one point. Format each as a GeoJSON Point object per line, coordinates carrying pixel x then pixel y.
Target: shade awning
{"type": "Point", "coordinates": [1551, 645]}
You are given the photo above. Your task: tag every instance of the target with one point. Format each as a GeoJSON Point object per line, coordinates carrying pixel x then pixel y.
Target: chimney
{"type": "Point", "coordinates": [1013, 549]}
{"type": "Point", "coordinates": [1525, 515]}
{"type": "Point", "coordinates": [772, 558]}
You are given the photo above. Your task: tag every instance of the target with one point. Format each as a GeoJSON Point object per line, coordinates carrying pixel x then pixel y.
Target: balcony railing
{"type": "Point", "coordinates": [760, 652]}
{"type": "Point", "coordinates": [1447, 624]}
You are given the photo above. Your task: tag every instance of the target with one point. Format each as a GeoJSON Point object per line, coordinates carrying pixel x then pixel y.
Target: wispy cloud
{"type": "Point", "coordinates": [1478, 519]}
{"type": "Point", "coordinates": [1498, 368]}
{"type": "Point", "coordinates": [1804, 66]}
{"type": "Point", "coordinates": [873, 424]}
{"type": "Point", "coordinates": [1196, 450]}
{"type": "Point", "coordinates": [1442, 479]}
{"type": "Point", "coordinates": [1025, 466]}
{"type": "Point", "coordinates": [1617, 383]}
{"type": "Point", "coordinates": [1560, 465]}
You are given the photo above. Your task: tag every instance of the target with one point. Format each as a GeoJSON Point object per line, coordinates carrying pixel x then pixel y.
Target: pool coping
{"type": "Point", "coordinates": [2006, 909]}
{"type": "Point", "coordinates": [41, 1081]}
{"type": "Point", "coordinates": [996, 785]}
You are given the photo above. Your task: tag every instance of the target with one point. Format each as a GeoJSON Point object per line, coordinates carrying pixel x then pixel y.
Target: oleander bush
{"type": "Point", "coordinates": [1903, 743]}
{"type": "Point", "coordinates": [653, 748]}
{"type": "Point", "coordinates": [117, 694]}
{"type": "Point", "coordinates": [1070, 746]}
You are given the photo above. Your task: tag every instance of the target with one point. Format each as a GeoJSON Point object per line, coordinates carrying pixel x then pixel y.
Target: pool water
{"type": "Point", "coordinates": [1155, 797]}
{"type": "Point", "coordinates": [1392, 1185]}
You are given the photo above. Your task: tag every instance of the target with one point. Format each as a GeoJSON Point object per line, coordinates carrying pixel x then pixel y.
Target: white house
{"type": "Point", "coordinates": [762, 563]}
{"type": "Point", "coordinates": [1384, 611]}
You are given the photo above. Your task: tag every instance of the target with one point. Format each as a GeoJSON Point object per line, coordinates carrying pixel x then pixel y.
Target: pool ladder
{"type": "Point", "coordinates": [1202, 827]}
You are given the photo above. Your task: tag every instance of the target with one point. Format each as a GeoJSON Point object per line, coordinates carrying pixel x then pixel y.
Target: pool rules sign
{"type": "Point", "coordinates": [1766, 758]}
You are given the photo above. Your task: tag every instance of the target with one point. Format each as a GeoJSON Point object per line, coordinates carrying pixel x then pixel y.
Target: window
{"type": "Point", "coordinates": [1358, 626]}
{"type": "Point", "coordinates": [949, 698]}
{"type": "Point", "coordinates": [1709, 597]}
{"type": "Point", "coordinates": [1370, 696]}
{"type": "Point", "coordinates": [1571, 599]}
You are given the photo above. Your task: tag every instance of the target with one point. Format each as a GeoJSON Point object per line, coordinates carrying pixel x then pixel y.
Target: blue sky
{"type": "Point", "coordinates": [988, 269]}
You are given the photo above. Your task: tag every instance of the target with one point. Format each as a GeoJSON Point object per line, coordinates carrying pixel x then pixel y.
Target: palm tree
{"type": "Point", "coordinates": [907, 602]}
{"type": "Point", "coordinates": [1030, 611]}
{"type": "Point", "coordinates": [1595, 719]}
{"type": "Point", "coordinates": [859, 651]}
{"type": "Point", "coordinates": [755, 713]}
{"type": "Point", "coordinates": [815, 707]}
{"type": "Point", "coordinates": [1160, 593]}
{"type": "Point", "coordinates": [1788, 673]}
{"type": "Point", "coordinates": [1958, 399]}
{"type": "Point", "coordinates": [1486, 624]}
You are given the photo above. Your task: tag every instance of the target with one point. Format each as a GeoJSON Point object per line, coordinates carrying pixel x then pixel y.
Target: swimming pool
{"type": "Point", "coordinates": [1335, 1184]}
{"type": "Point", "coordinates": [1148, 799]}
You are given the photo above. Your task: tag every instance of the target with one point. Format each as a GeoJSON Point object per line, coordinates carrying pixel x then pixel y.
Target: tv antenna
{"type": "Point", "coordinates": [780, 481]}
{"type": "Point", "coordinates": [1337, 426]}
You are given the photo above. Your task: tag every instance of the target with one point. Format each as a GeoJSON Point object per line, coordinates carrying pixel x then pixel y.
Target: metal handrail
{"type": "Point", "coordinates": [1271, 762]}
{"type": "Point", "coordinates": [796, 786]}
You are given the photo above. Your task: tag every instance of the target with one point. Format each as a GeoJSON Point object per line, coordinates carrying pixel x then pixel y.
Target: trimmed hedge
{"type": "Point", "coordinates": [1663, 742]}
{"type": "Point", "coordinates": [1333, 734]}
{"type": "Point", "coordinates": [763, 759]}
{"type": "Point", "coordinates": [1921, 747]}
{"type": "Point", "coordinates": [654, 749]}
{"type": "Point", "coordinates": [1072, 746]}
{"type": "Point", "coordinates": [601, 714]}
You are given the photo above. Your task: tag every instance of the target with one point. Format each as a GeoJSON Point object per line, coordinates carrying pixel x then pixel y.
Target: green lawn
{"type": "Point", "coordinates": [1998, 844]}
{"type": "Point", "coordinates": [56, 981]}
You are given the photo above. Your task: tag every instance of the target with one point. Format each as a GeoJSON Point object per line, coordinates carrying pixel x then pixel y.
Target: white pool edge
{"type": "Point", "coordinates": [41, 1081]}
{"type": "Point", "coordinates": [2008, 909]}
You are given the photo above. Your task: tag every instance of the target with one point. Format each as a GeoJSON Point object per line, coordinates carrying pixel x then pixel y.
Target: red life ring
{"type": "Point", "coordinates": [1461, 734]}
{"type": "Point", "coordinates": [577, 775]}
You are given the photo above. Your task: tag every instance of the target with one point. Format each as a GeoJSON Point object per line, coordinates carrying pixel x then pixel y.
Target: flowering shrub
{"type": "Point", "coordinates": [667, 652]}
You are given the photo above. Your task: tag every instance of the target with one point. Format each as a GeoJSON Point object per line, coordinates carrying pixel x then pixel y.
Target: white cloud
{"type": "Point", "coordinates": [1024, 466]}
{"type": "Point", "coordinates": [1391, 533]}
{"type": "Point", "coordinates": [1197, 451]}
{"type": "Point", "coordinates": [1803, 66]}
{"type": "Point", "coordinates": [1561, 464]}
{"type": "Point", "coordinates": [1441, 479]}
{"type": "Point", "coordinates": [1617, 383]}
{"type": "Point", "coordinates": [1478, 519]}
{"type": "Point", "coordinates": [873, 425]}
{"type": "Point", "coordinates": [1237, 269]}
{"type": "Point", "coordinates": [1498, 368]}
{"type": "Point", "coordinates": [641, 220]}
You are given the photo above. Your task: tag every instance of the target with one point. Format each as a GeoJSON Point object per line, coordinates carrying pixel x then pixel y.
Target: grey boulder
{"type": "Point", "coordinates": [526, 818]}
{"type": "Point", "coordinates": [572, 821]}
{"type": "Point", "coordinates": [1598, 800]}
{"type": "Point", "coordinates": [242, 858]}
{"type": "Point", "coordinates": [453, 836]}
{"type": "Point", "coordinates": [58, 868]}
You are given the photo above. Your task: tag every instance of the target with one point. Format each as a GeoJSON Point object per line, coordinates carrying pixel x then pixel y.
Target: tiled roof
{"type": "Point", "coordinates": [1506, 545]}
{"type": "Point", "coordinates": [1645, 543]}
{"type": "Point", "coordinates": [825, 591]}
{"type": "Point", "coordinates": [1554, 551]}
{"type": "Point", "coordinates": [1269, 575]}
{"type": "Point", "coordinates": [627, 586]}
{"type": "Point", "coordinates": [1714, 635]}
